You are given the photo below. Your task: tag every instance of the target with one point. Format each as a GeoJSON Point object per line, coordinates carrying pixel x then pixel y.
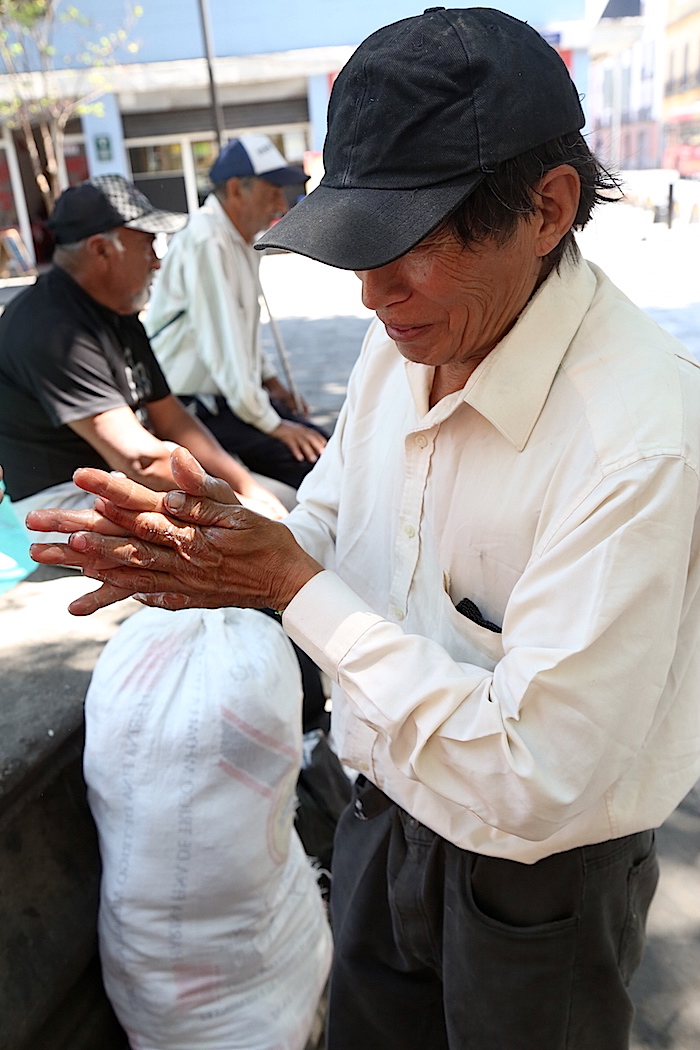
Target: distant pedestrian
{"type": "Point", "coordinates": [204, 316]}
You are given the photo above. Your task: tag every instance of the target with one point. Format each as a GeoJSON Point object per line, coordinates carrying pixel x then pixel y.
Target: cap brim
{"type": "Point", "coordinates": [284, 176]}
{"type": "Point", "coordinates": [361, 229]}
{"type": "Point", "coordinates": [158, 222]}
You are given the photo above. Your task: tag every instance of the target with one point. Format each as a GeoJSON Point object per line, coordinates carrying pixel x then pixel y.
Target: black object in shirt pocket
{"type": "Point", "coordinates": [472, 612]}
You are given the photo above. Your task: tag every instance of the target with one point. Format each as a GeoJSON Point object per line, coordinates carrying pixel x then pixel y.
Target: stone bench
{"type": "Point", "coordinates": [51, 993]}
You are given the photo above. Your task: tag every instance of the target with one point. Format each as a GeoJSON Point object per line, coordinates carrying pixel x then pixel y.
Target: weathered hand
{"type": "Point", "coordinates": [197, 547]}
{"type": "Point", "coordinates": [303, 442]}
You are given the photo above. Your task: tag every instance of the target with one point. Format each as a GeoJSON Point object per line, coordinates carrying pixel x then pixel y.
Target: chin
{"type": "Point", "coordinates": [140, 302]}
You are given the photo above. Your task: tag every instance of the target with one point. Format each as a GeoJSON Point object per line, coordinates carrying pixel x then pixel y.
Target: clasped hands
{"type": "Point", "coordinates": [193, 547]}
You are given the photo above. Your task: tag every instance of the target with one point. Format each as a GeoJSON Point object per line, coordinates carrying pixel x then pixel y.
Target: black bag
{"type": "Point", "coordinates": [323, 791]}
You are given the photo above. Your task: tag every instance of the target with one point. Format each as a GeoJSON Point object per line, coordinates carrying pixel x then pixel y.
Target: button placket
{"type": "Point", "coordinates": [418, 449]}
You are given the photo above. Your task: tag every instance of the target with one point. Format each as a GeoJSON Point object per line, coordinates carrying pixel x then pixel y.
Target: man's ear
{"type": "Point", "coordinates": [234, 189]}
{"type": "Point", "coordinates": [99, 247]}
{"type": "Point", "coordinates": [557, 197]}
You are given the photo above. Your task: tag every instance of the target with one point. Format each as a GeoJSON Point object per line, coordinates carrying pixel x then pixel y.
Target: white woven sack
{"type": "Point", "coordinates": [212, 930]}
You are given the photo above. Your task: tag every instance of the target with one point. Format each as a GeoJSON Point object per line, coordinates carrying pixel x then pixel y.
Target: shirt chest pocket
{"type": "Point", "coordinates": [475, 639]}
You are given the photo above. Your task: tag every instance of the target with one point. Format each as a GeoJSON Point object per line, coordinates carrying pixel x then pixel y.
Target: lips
{"type": "Point", "coordinates": [405, 333]}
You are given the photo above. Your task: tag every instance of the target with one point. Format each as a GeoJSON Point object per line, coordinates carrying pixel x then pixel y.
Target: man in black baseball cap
{"type": "Point", "coordinates": [78, 380]}
{"type": "Point", "coordinates": [104, 203]}
{"type": "Point", "coordinates": [496, 559]}
{"type": "Point", "coordinates": [421, 113]}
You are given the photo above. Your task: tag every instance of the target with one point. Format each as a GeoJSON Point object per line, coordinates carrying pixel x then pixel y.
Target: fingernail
{"type": "Point", "coordinates": [78, 541]}
{"type": "Point", "coordinates": [175, 500]}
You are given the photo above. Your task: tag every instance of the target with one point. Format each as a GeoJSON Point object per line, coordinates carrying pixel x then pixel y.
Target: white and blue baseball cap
{"type": "Point", "coordinates": [255, 155]}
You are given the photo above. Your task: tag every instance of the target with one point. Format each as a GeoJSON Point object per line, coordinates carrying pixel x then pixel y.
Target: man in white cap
{"type": "Point", "coordinates": [78, 380]}
{"type": "Point", "coordinates": [204, 316]}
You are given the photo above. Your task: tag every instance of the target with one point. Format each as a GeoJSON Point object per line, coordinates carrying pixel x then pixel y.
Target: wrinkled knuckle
{"type": "Point", "coordinates": [142, 581]}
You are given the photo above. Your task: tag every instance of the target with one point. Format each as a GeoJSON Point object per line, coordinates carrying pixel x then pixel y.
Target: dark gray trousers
{"type": "Point", "coordinates": [438, 948]}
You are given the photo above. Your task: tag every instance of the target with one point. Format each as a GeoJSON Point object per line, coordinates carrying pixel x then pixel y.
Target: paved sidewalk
{"type": "Point", "coordinates": [322, 322]}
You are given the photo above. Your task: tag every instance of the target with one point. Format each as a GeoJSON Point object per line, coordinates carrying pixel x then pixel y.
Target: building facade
{"type": "Point", "coordinates": [682, 88]}
{"type": "Point", "coordinates": [273, 64]}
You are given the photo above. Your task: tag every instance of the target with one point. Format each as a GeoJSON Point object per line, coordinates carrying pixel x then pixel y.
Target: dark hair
{"type": "Point", "coordinates": [506, 194]}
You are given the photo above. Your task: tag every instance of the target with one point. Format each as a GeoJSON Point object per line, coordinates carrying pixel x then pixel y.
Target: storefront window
{"type": "Point", "coordinates": [204, 154]}
{"type": "Point", "coordinates": [76, 162]}
{"type": "Point", "coordinates": [151, 160]}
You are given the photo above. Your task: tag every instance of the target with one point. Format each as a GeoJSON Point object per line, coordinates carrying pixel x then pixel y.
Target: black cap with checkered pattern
{"type": "Point", "coordinates": [103, 203]}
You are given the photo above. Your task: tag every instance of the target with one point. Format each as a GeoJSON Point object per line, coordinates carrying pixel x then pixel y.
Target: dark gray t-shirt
{"type": "Point", "coordinates": [64, 357]}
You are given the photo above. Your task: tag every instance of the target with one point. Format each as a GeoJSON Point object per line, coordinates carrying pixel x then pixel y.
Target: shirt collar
{"type": "Point", "coordinates": [510, 386]}
{"type": "Point", "coordinates": [212, 202]}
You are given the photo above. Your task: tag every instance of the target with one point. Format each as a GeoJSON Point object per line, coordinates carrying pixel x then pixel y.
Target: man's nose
{"type": "Point", "coordinates": [382, 286]}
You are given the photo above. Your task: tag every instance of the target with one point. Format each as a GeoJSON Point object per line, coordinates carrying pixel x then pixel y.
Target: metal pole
{"type": "Point", "coordinates": [25, 226]}
{"type": "Point", "coordinates": [281, 350]}
{"type": "Point", "coordinates": [216, 110]}
{"type": "Point", "coordinates": [670, 205]}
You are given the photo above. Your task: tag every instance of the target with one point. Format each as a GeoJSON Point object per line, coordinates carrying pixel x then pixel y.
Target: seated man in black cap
{"type": "Point", "coordinates": [78, 380]}
{"type": "Point", "coordinates": [496, 559]}
{"type": "Point", "coordinates": [204, 316]}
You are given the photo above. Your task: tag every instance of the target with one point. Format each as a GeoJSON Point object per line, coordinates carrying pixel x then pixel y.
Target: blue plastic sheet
{"type": "Point", "coordinates": [15, 563]}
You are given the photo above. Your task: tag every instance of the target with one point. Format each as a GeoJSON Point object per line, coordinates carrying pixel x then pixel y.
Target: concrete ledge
{"type": "Point", "coordinates": [51, 995]}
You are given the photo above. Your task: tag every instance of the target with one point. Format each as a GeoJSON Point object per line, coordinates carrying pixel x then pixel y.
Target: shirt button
{"type": "Point", "coordinates": [410, 531]}
{"type": "Point", "coordinates": [421, 440]}
{"type": "Point", "coordinates": [363, 766]}
{"type": "Point", "coordinates": [399, 613]}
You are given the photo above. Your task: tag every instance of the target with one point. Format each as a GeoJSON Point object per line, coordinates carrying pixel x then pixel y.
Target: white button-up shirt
{"type": "Point", "coordinates": [558, 492]}
{"type": "Point", "coordinates": [204, 317]}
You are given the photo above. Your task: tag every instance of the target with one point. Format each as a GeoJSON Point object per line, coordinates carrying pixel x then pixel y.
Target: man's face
{"type": "Point", "coordinates": [447, 305]}
{"type": "Point", "coordinates": [262, 203]}
{"type": "Point", "coordinates": [131, 271]}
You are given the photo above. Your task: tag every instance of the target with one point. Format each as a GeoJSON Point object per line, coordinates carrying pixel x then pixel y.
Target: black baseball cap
{"type": "Point", "coordinates": [420, 113]}
{"type": "Point", "coordinates": [103, 203]}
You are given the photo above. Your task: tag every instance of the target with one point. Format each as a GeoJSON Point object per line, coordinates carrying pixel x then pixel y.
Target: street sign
{"type": "Point", "coordinates": [103, 147]}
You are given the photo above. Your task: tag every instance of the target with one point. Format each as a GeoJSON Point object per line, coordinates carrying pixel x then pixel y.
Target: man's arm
{"type": "Point", "coordinates": [128, 447]}
{"type": "Point", "coordinates": [172, 422]}
{"type": "Point", "coordinates": [224, 344]}
{"type": "Point", "coordinates": [230, 559]}
{"type": "Point", "coordinates": [225, 336]}
{"type": "Point", "coordinates": [277, 390]}
{"type": "Point", "coordinates": [563, 714]}
{"type": "Point", "coordinates": [303, 442]}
